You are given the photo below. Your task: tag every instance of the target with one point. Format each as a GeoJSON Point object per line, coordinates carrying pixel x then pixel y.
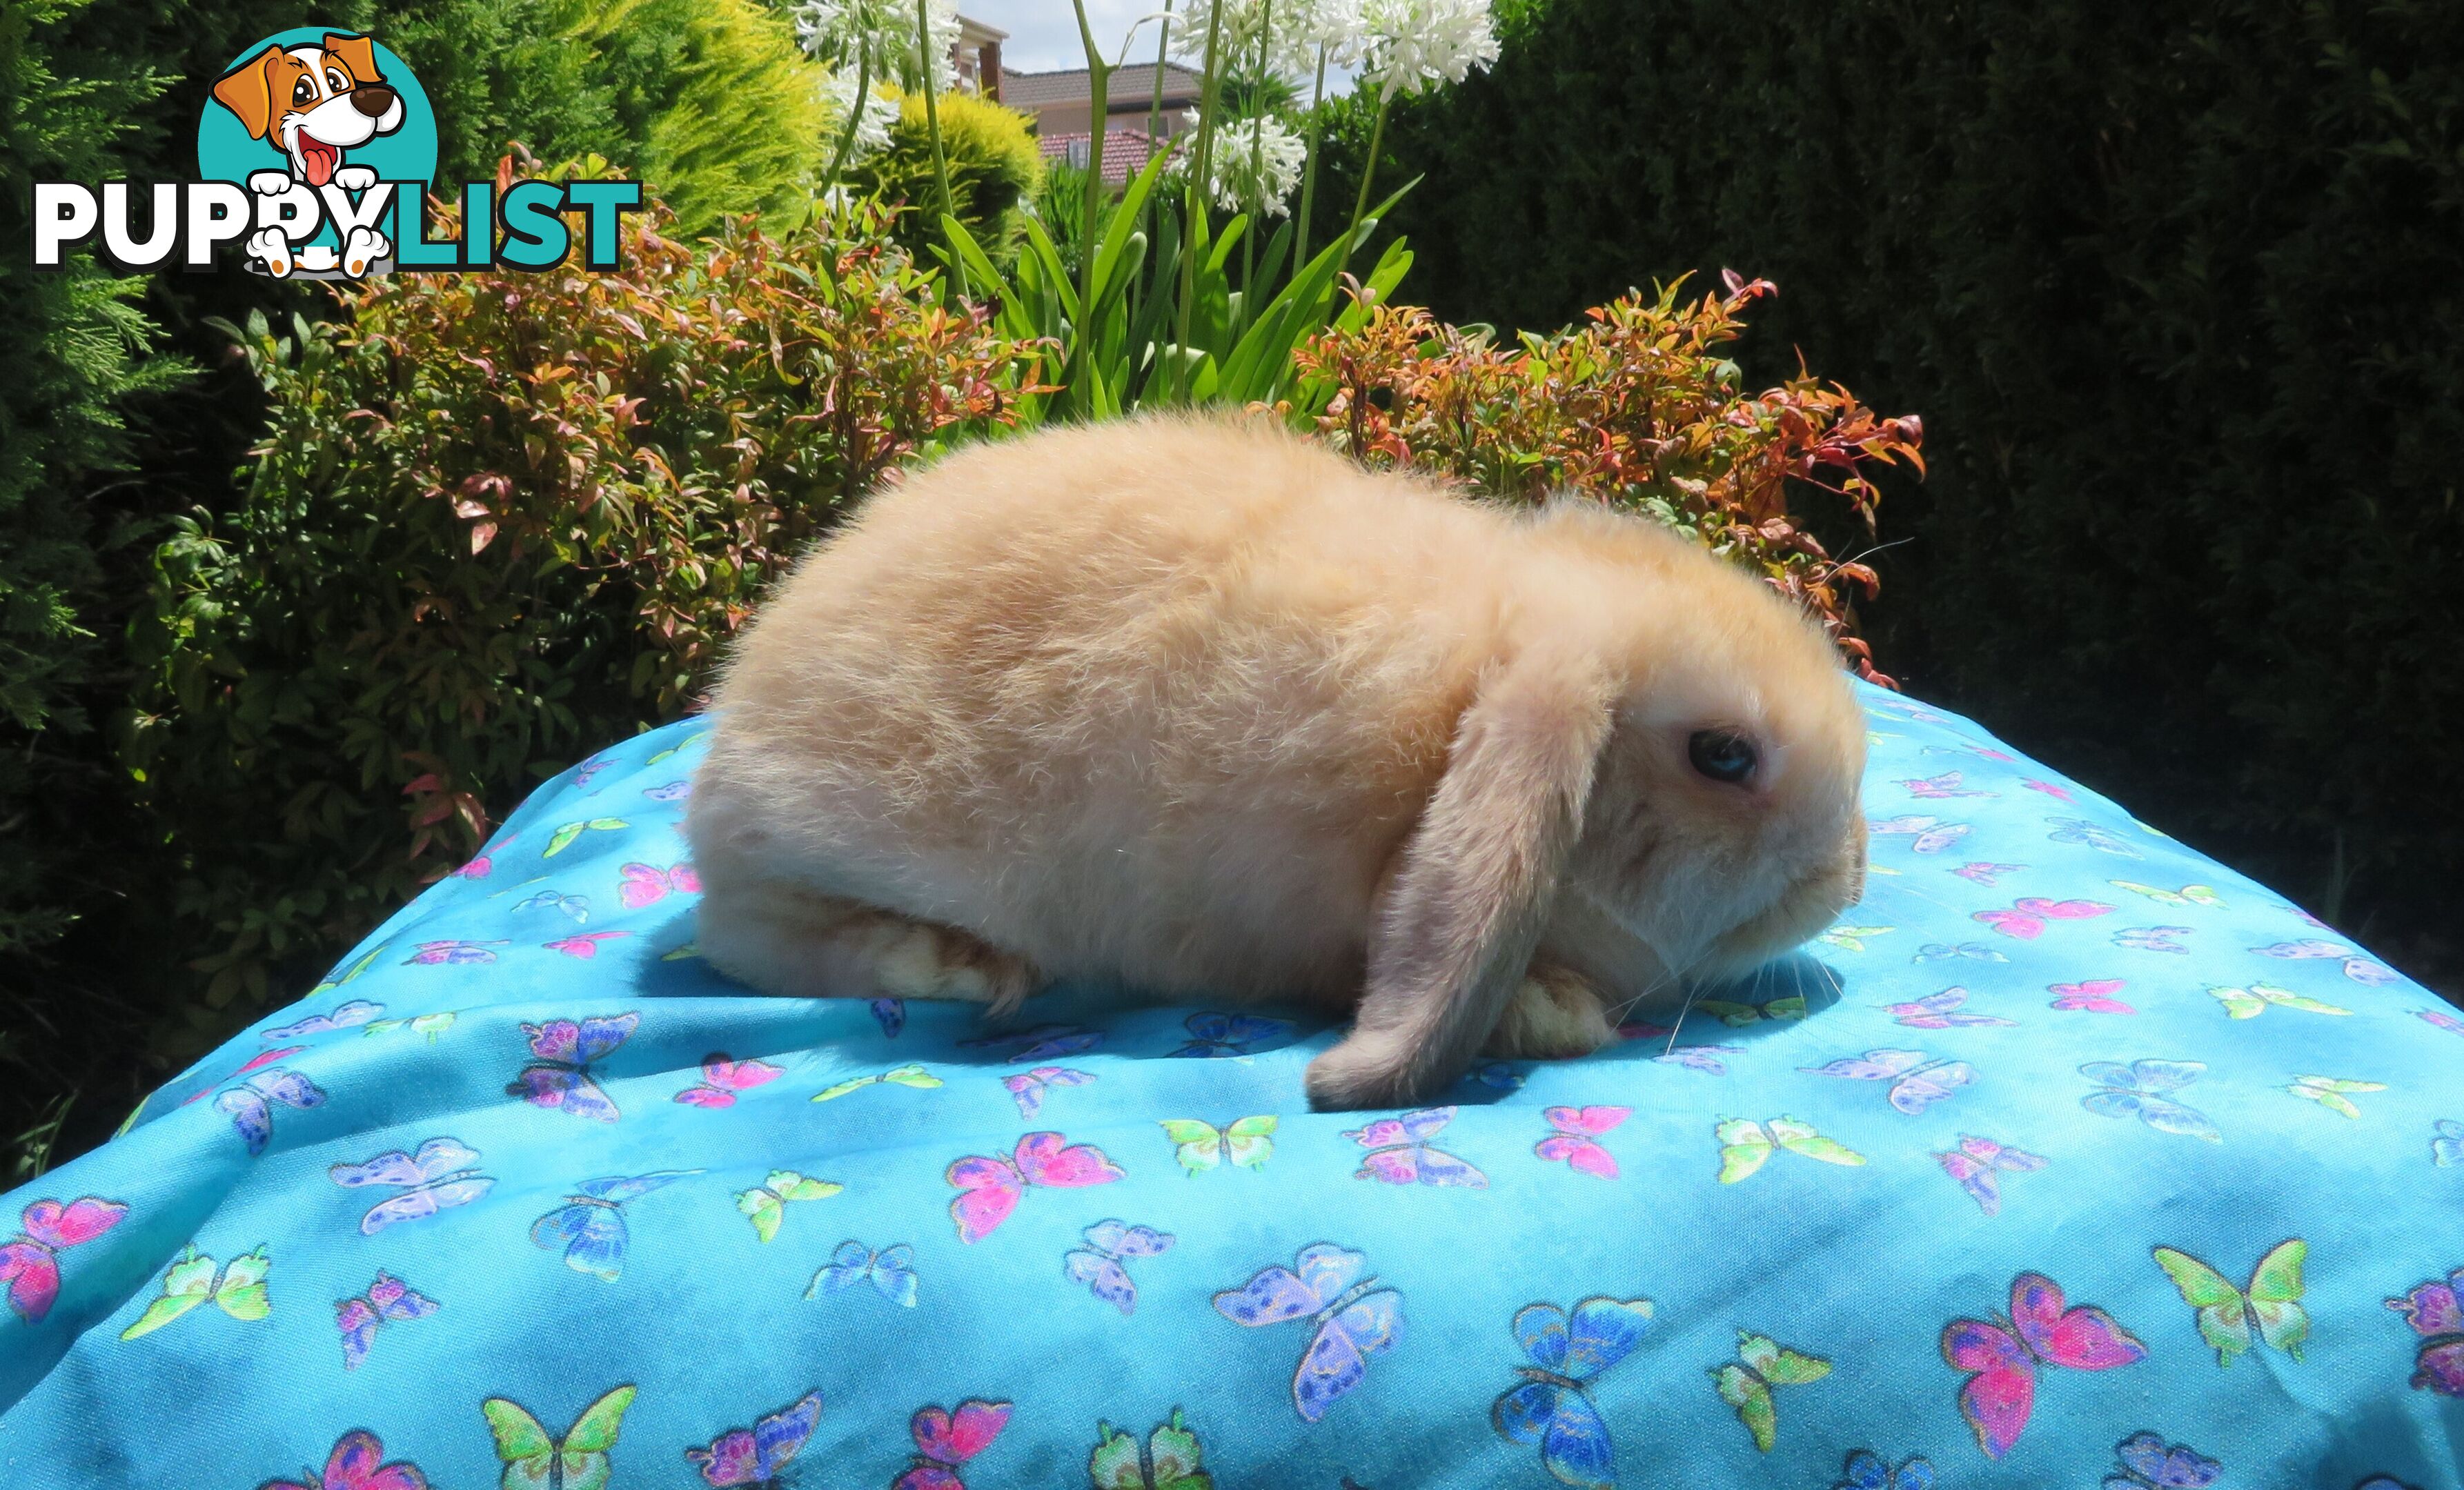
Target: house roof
{"type": "Point", "coordinates": [1042, 90]}
{"type": "Point", "coordinates": [1125, 151]}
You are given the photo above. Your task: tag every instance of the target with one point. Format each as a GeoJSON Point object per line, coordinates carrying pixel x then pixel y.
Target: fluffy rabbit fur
{"type": "Point", "coordinates": [1197, 708]}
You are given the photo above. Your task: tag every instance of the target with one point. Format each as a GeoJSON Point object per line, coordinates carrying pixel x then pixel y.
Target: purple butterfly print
{"type": "Point", "coordinates": [1228, 1034]}
{"type": "Point", "coordinates": [1918, 1080]}
{"type": "Point", "coordinates": [1978, 1164]}
{"type": "Point", "coordinates": [453, 954]}
{"type": "Point", "coordinates": [2436, 1311]}
{"type": "Point", "coordinates": [559, 1079]}
{"type": "Point", "coordinates": [2357, 967]}
{"type": "Point", "coordinates": [588, 770]}
{"type": "Point", "coordinates": [758, 1456]}
{"type": "Point", "coordinates": [2148, 1463]}
{"type": "Point", "coordinates": [2152, 938]}
{"type": "Point", "coordinates": [1986, 874]}
{"type": "Point", "coordinates": [1940, 1012]}
{"type": "Point", "coordinates": [1043, 1043]}
{"type": "Point", "coordinates": [1401, 1153]}
{"type": "Point", "coordinates": [357, 1011]}
{"type": "Point", "coordinates": [1354, 1318]}
{"type": "Point", "coordinates": [1027, 1088]}
{"type": "Point", "coordinates": [442, 1175]}
{"type": "Point", "coordinates": [670, 790]}
{"type": "Point", "coordinates": [2440, 1019]}
{"type": "Point", "coordinates": [891, 1015]}
{"type": "Point", "coordinates": [1098, 1264]}
{"type": "Point", "coordinates": [2143, 1089]}
{"type": "Point", "coordinates": [251, 1104]}
{"type": "Point", "coordinates": [1946, 952]}
{"type": "Point", "coordinates": [1704, 1058]}
{"type": "Point", "coordinates": [1926, 835]}
{"type": "Point", "coordinates": [358, 1319]}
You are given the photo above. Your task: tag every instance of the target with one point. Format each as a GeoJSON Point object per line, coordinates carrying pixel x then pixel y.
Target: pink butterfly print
{"type": "Point", "coordinates": [647, 885]}
{"type": "Point", "coordinates": [1927, 835]}
{"type": "Point", "coordinates": [358, 1319]}
{"type": "Point", "coordinates": [1575, 1141]}
{"type": "Point", "coordinates": [1644, 1029]}
{"type": "Point", "coordinates": [2441, 1018]}
{"type": "Point", "coordinates": [357, 1463]}
{"type": "Point", "coordinates": [721, 1079]}
{"type": "Point", "coordinates": [30, 1263]}
{"type": "Point", "coordinates": [989, 1189]}
{"type": "Point", "coordinates": [2027, 916]}
{"type": "Point", "coordinates": [1401, 1153]}
{"type": "Point", "coordinates": [451, 953]}
{"type": "Point", "coordinates": [1356, 1319]}
{"type": "Point", "coordinates": [945, 1440]}
{"type": "Point", "coordinates": [2056, 793]}
{"type": "Point", "coordinates": [1986, 874]}
{"type": "Point", "coordinates": [1940, 1012]}
{"type": "Point", "coordinates": [2436, 1311]}
{"type": "Point", "coordinates": [2092, 997]}
{"type": "Point", "coordinates": [759, 1455]}
{"type": "Point", "coordinates": [2003, 1356]}
{"type": "Point", "coordinates": [1978, 1164]}
{"type": "Point", "coordinates": [484, 863]}
{"type": "Point", "coordinates": [1944, 786]}
{"type": "Point", "coordinates": [1918, 1080]}
{"type": "Point", "coordinates": [582, 944]}
{"type": "Point", "coordinates": [559, 1079]}
{"type": "Point", "coordinates": [1027, 1088]}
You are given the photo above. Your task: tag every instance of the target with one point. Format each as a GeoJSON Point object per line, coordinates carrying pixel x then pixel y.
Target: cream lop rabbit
{"type": "Point", "coordinates": [1197, 708]}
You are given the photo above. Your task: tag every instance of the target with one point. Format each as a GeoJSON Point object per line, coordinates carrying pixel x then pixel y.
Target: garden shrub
{"type": "Point", "coordinates": [500, 518]}
{"type": "Point", "coordinates": [2175, 287]}
{"type": "Point", "coordinates": [995, 169]}
{"type": "Point", "coordinates": [1633, 407]}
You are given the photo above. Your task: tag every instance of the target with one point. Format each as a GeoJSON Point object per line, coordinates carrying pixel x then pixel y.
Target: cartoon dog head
{"type": "Point", "coordinates": [313, 102]}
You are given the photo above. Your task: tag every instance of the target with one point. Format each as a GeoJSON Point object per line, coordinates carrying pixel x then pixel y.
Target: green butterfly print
{"type": "Point", "coordinates": [190, 1281]}
{"type": "Point", "coordinates": [1762, 1365]}
{"type": "Point", "coordinates": [2330, 1093]}
{"type": "Point", "coordinates": [764, 1205]}
{"type": "Point", "coordinates": [2271, 1305]}
{"type": "Point", "coordinates": [1737, 1015]}
{"type": "Point", "coordinates": [535, 1461]}
{"type": "Point", "coordinates": [565, 836]}
{"type": "Point", "coordinates": [1172, 1460]}
{"type": "Point", "coordinates": [1249, 1142]}
{"type": "Point", "coordinates": [1852, 938]}
{"type": "Point", "coordinates": [357, 968]}
{"type": "Point", "coordinates": [914, 1076]}
{"type": "Point", "coordinates": [1747, 1146]}
{"type": "Point", "coordinates": [2249, 1004]}
{"type": "Point", "coordinates": [430, 1025]}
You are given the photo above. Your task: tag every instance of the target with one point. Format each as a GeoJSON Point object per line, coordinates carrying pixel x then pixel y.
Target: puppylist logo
{"type": "Point", "coordinates": [315, 158]}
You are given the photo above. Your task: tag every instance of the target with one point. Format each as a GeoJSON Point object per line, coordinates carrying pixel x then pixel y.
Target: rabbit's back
{"type": "Point", "coordinates": [1154, 701]}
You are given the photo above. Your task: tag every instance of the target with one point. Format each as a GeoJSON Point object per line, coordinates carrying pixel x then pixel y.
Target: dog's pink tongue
{"type": "Point", "coordinates": [321, 159]}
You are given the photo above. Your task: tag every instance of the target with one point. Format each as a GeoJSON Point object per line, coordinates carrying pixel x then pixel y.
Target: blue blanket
{"type": "Point", "coordinates": [2068, 1155]}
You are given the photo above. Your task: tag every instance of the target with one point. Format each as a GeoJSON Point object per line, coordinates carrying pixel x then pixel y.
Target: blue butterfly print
{"type": "Point", "coordinates": [1228, 1034]}
{"type": "Point", "coordinates": [359, 1011]}
{"type": "Point", "coordinates": [591, 1225]}
{"type": "Point", "coordinates": [2448, 1147]}
{"type": "Point", "coordinates": [2140, 1091]}
{"type": "Point", "coordinates": [1867, 1470]}
{"type": "Point", "coordinates": [578, 907]}
{"type": "Point", "coordinates": [1554, 1406]}
{"type": "Point", "coordinates": [2147, 1463]}
{"type": "Point", "coordinates": [559, 1076]}
{"type": "Point", "coordinates": [251, 1104]}
{"type": "Point", "coordinates": [2080, 830]}
{"type": "Point", "coordinates": [1355, 1319]}
{"type": "Point", "coordinates": [1043, 1043]}
{"type": "Point", "coordinates": [892, 1272]}
{"type": "Point", "coordinates": [891, 1014]}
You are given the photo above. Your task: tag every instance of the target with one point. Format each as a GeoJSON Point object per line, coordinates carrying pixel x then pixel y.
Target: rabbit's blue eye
{"type": "Point", "coordinates": [1722, 754]}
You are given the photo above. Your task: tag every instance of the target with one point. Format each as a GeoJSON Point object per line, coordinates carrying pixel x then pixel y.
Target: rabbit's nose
{"type": "Point", "coordinates": [373, 100]}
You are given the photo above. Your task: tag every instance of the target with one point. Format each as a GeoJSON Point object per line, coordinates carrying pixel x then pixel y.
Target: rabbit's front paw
{"type": "Point", "coordinates": [1554, 1015]}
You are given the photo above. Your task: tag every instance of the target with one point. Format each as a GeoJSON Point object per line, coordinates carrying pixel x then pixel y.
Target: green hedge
{"type": "Point", "coordinates": [2179, 291]}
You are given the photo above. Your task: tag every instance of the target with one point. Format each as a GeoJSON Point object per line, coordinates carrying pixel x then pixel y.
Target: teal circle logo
{"type": "Point", "coordinates": [311, 101]}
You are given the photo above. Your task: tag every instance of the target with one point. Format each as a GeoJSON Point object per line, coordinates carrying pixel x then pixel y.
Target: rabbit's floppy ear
{"type": "Point", "coordinates": [1465, 905]}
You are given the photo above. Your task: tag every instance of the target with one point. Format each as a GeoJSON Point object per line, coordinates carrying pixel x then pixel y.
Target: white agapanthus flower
{"type": "Point", "coordinates": [832, 30]}
{"type": "Point", "coordinates": [1413, 44]}
{"type": "Point", "coordinates": [1293, 28]}
{"type": "Point", "coordinates": [880, 111]}
{"type": "Point", "coordinates": [1256, 165]}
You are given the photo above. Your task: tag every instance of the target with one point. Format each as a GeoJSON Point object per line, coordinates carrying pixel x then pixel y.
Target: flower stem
{"type": "Point", "coordinates": [1099, 83]}
{"type": "Point", "coordinates": [855, 115]}
{"type": "Point", "coordinates": [932, 130]}
{"type": "Point", "coordinates": [1198, 180]}
{"type": "Point", "coordinates": [1360, 203]}
{"type": "Point", "coordinates": [1308, 182]}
